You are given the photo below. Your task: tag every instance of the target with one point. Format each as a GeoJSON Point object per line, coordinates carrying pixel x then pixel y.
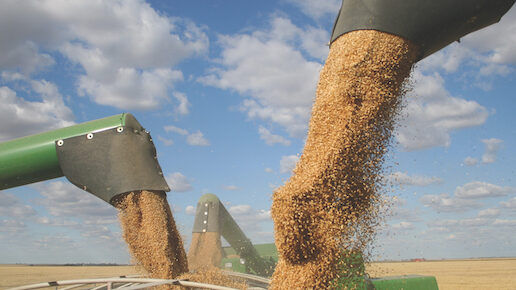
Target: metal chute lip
{"type": "Point", "coordinates": [429, 24]}
{"type": "Point", "coordinates": [113, 162]}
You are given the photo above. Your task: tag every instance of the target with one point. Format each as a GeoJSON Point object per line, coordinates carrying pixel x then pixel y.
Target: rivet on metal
{"type": "Point", "coordinates": [205, 222]}
{"type": "Point", "coordinates": [203, 230]}
{"type": "Point", "coordinates": [120, 129]}
{"type": "Point", "coordinates": [205, 213]}
{"type": "Point", "coordinates": [60, 142]}
{"type": "Point", "coordinates": [89, 136]}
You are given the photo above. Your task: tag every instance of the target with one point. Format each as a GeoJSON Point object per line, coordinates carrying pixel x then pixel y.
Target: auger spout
{"type": "Point", "coordinates": [430, 24]}
{"type": "Point", "coordinates": [105, 157]}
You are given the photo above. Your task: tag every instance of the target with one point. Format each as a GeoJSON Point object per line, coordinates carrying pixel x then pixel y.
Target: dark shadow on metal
{"type": "Point", "coordinates": [430, 24]}
{"type": "Point", "coordinates": [112, 162]}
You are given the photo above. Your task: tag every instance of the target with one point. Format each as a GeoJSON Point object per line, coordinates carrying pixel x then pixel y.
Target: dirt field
{"type": "Point", "coordinates": [456, 274]}
{"type": "Point", "coordinates": [451, 274]}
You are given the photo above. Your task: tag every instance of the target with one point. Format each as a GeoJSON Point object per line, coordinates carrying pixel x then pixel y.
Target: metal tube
{"type": "Point", "coordinates": [33, 158]}
{"type": "Point", "coordinates": [430, 24]}
{"type": "Point", "coordinates": [212, 216]}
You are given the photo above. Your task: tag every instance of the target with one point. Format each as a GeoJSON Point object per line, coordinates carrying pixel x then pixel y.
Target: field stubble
{"type": "Point", "coordinates": [450, 274]}
{"type": "Point", "coordinates": [455, 274]}
{"type": "Point", "coordinates": [18, 275]}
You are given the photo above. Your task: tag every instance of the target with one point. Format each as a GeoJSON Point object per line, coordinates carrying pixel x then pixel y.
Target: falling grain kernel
{"type": "Point", "coordinates": [329, 207]}
{"type": "Point", "coordinates": [151, 234]}
{"type": "Point", "coordinates": [205, 251]}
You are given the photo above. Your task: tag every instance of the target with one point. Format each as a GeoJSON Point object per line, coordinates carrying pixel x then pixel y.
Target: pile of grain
{"type": "Point", "coordinates": [214, 276]}
{"type": "Point", "coordinates": [329, 206]}
{"type": "Point", "coordinates": [151, 234]}
{"type": "Point", "coordinates": [205, 250]}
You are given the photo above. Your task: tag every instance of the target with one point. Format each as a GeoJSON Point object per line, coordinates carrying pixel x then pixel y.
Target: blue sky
{"type": "Point", "coordinates": [226, 87]}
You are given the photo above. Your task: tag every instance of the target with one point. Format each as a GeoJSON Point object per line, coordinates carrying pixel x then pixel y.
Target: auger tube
{"type": "Point", "coordinates": [429, 24]}
{"type": "Point", "coordinates": [105, 157]}
{"type": "Point", "coordinates": [211, 216]}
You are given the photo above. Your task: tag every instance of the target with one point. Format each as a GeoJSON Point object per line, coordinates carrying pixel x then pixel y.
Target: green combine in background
{"type": "Point", "coordinates": [260, 259]}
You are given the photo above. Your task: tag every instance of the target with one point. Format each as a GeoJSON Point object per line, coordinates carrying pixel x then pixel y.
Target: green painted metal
{"type": "Point", "coordinates": [264, 250]}
{"type": "Point", "coordinates": [352, 272]}
{"type": "Point", "coordinates": [405, 282]}
{"type": "Point", "coordinates": [33, 158]}
{"type": "Point", "coordinates": [234, 264]}
{"type": "Point", "coordinates": [212, 216]}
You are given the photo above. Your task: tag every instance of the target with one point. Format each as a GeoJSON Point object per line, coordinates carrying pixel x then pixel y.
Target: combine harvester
{"type": "Point", "coordinates": [114, 155]}
{"type": "Point", "coordinates": [104, 157]}
{"type": "Point", "coordinates": [242, 256]}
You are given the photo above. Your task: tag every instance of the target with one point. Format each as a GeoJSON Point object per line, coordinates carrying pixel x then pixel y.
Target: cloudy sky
{"type": "Point", "coordinates": [226, 87]}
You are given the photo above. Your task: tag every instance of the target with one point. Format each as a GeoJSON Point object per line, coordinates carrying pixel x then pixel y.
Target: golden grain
{"type": "Point", "coordinates": [151, 234]}
{"type": "Point", "coordinates": [330, 204]}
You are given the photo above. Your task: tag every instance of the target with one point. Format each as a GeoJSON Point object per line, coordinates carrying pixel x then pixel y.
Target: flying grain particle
{"type": "Point", "coordinates": [150, 232]}
{"type": "Point", "coordinates": [329, 207]}
{"type": "Point", "coordinates": [205, 250]}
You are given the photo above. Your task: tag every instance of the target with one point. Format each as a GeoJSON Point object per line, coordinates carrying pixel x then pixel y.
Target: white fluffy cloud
{"type": "Point", "coordinates": [275, 78]}
{"type": "Point", "coordinates": [12, 226]}
{"type": "Point", "coordinates": [231, 187]}
{"type": "Point", "coordinates": [496, 42]}
{"type": "Point", "coordinates": [477, 189]}
{"type": "Point", "coordinates": [432, 114]}
{"type": "Point", "coordinates": [240, 209]}
{"type": "Point", "coordinates": [396, 208]}
{"type": "Point", "coordinates": [488, 52]}
{"type": "Point", "coordinates": [470, 161]}
{"type": "Point", "coordinates": [190, 210]}
{"type": "Point", "coordinates": [445, 203]}
{"type": "Point", "coordinates": [197, 139]}
{"type": "Point", "coordinates": [508, 223]}
{"type": "Point", "coordinates": [11, 206]}
{"type": "Point", "coordinates": [288, 163]}
{"type": "Point", "coordinates": [511, 203]}
{"type": "Point", "coordinates": [184, 105]}
{"type": "Point", "coordinates": [20, 117]}
{"type": "Point", "coordinates": [175, 129]}
{"type": "Point", "coordinates": [403, 226]}
{"type": "Point", "coordinates": [402, 178]}
{"type": "Point", "coordinates": [193, 139]}
{"type": "Point", "coordinates": [489, 212]}
{"type": "Point", "coordinates": [271, 139]}
{"type": "Point", "coordinates": [493, 145]}
{"type": "Point", "coordinates": [178, 182]}
{"type": "Point", "coordinates": [454, 223]}
{"type": "Point", "coordinates": [126, 48]}
{"type": "Point", "coordinates": [250, 220]}
{"type": "Point", "coordinates": [66, 200]}
{"type": "Point", "coordinates": [166, 141]}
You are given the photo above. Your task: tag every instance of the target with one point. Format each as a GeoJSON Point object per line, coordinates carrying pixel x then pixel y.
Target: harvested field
{"type": "Point", "coordinates": [18, 275]}
{"type": "Point", "coordinates": [455, 274]}
{"type": "Point", "coordinates": [450, 274]}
